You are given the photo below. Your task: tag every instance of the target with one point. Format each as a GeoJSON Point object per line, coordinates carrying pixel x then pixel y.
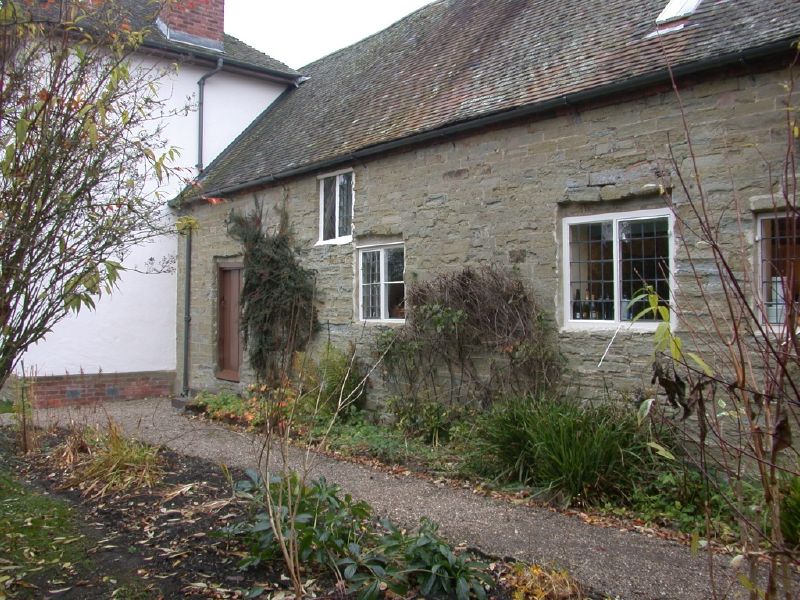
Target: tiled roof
{"type": "Point", "coordinates": [141, 14]}
{"type": "Point", "coordinates": [459, 60]}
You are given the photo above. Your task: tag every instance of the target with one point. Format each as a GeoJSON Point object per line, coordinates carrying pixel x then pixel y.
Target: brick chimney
{"type": "Point", "coordinates": [197, 22]}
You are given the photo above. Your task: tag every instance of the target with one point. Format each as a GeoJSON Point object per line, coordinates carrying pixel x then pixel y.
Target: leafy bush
{"type": "Point", "coordinates": [572, 451]}
{"type": "Point", "coordinates": [324, 523]}
{"type": "Point", "coordinates": [228, 406]}
{"type": "Point", "coordinates": [429, 420]}
{"type": "Point", "coordinates": [341, 378]}
{"type": "Point", "coordinates": [679, 498]}
{"type": "Point", "coordinates": [790, 512]}
{"type": "Point", "coordinates": [278, 312]}
{"type": "Point", "coordinates": [338, 534]}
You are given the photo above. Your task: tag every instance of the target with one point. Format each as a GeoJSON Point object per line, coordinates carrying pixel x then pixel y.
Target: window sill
{"type": "Point", "coordinates": [383, 321]}
{"type": "Point", "coordinates": [340, 241]}
{"type": "Point", "coordinates": [610, 326]}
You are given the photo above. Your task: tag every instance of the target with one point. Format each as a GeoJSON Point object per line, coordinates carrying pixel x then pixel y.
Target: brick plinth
{"type": "Point", "coordinates": [80, 390]}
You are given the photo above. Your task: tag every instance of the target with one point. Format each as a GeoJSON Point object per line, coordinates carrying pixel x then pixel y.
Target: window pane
{"type": "Point", "coordinates": [371, 267]}
{"type": "Point", "coordinates": [780, 265]}
{"type": "Point", "coordinates": [644, 260]}
{"type": "Point", "coordinates": [328, 208]}
{"type": "Point", "coordinates": [394, 264]}
{"type": "Point", "coordinates": [396, 297]}
{"type": "Point", "coordinates": [371, 300]}
{"type": "Point", "coordinates": [591, 271]}
{"type": "Point", "coordinates": [371, 284]}
{"type": "Point", "coordinates": [345, 204]}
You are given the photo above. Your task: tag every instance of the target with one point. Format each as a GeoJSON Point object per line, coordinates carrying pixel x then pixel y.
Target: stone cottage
{"type": "Point", "coordinates": [515, 132]}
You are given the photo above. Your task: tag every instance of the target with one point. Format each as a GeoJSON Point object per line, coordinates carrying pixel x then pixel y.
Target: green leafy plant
{"type": "Point", "coordinates": [680, 497]}
{"type": "Point", "coordinates": [790, 512]}
{"type": "Point", "coordinates": [278, 312]}
{"type": "Point", "coordinates": [573, 452]}
{"type": "Point", "coordinates": [339, 535]}
{"type": "Point", "coordinates": [341, 377]}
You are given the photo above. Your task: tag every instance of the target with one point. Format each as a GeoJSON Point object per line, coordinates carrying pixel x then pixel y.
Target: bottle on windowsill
{"type": "Point", "coordinates": [593, 315]}
{"type": "Point", "coordinates": [577, 306]}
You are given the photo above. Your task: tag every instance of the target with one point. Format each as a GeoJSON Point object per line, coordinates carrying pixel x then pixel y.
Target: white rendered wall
{"type": "Point", "coordinates": [134, 328]}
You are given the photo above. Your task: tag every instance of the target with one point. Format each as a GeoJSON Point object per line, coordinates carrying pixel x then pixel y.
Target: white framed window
{"type": "Point", "coordinates": [336, 208]}
{"type": "Point", "coordinates": [779, 264]}
{"type": "Point", "coordinates": [609, 259]}
{"type": "Point", "coordinates": [381, 285]}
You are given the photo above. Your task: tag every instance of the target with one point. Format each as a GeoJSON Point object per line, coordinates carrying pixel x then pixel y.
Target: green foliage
{"type": "Point", "coordinates": [680, 497]}
{"type": "Point", "coordinates": [228, 406]}
{"type": "Point", "coordinates": [6, 406]}
{"type": "Point", "coordinates": [790, 511]}
{"type": "Point", "coordinates": [341, 378]}
{"type": "Point", "coordinates": [339, 535]}
{"type": "Point", "coordinates": [278, 313]}
{"type": "Point", "coordinates": [575, 452]}
{"type": "Point", "coordinates": [428, 420]}
{"type": "Point", "coordinates": [359, 437]}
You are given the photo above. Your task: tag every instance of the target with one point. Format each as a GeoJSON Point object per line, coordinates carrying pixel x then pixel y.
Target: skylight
{"type": "Point", "coordinates": [677, 9]}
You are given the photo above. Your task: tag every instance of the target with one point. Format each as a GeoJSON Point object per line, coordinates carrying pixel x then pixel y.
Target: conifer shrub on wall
{"type": "Point", "coordinates": [278, 312]}
{"type": "Point", "coordinates": [470, 337]}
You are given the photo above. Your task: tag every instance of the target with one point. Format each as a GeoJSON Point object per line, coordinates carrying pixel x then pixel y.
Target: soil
{"type": "Point", "coordinates": [164, 542]}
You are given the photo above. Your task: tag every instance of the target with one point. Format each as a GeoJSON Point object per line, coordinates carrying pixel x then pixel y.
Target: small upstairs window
{"type": "Point", "coordinates": [336, 208]}
{"type": "Point", "coordinates": [677, 9]}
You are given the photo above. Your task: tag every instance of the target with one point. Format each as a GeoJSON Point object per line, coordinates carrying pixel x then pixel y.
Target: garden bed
{"type": "Point", "coordinates": [162, 542]}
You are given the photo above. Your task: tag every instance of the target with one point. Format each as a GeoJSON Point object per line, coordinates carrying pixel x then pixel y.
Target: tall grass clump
{"type": "Point", "coordinates": [112, 463]}
{"type": "Point", "coordinates": [570, 452]}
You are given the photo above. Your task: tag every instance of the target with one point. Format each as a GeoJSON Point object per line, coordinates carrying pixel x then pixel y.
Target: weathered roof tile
{"type": "Point", "coordinates": [459, 60]}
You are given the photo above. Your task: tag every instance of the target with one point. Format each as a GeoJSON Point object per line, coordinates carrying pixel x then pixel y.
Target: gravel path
{"type": "Point", "coordinates": [619, 564]}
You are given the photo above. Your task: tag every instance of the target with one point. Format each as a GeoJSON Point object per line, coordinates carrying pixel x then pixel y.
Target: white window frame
{"type": "Point", "coordinates": [382, 248]}
{"type": "Point", "coordinates": [759, 239]}
{"type": "Point", "coordinates": [337, 239]}
{"type": "Point", "coordinates": [615, 217]}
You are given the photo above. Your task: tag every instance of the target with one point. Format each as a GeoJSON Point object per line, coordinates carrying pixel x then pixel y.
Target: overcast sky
{"type": "Point", "coordinates": [298, 32]}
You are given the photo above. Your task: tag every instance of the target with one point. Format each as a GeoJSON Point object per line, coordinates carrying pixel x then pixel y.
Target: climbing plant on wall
{"type": "Point", "coordinates": [278, 313]}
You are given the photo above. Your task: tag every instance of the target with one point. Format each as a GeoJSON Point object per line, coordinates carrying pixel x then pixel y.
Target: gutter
{"type": "Point", "coordinates": [604, 91]}
{"type": "Point", "coordinates": [212, 57]}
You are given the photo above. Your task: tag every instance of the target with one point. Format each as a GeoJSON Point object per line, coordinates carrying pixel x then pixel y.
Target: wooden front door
{"type": "Point", "coordinates": [229, 338]}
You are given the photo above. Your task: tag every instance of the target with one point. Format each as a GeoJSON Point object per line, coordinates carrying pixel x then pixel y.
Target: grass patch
{"type": "Point", "coordinates": [358, 437]}
{"type": "Point", "coordinates": [6, 406]}
{"type": "Point", "coordinates": [37, 534]}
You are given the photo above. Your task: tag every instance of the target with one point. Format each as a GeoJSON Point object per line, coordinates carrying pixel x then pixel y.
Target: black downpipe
{"type": "Point", "coordinates": [187, 283]}
{"type": "Point", "coordinates": [187, 312]}
{"type": "Point", "coordinates": [201, 85]}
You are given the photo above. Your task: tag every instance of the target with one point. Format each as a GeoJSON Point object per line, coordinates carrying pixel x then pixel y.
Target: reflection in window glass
{"type": "Point", "coordinates": [780, 265]}
{"type": "Point", "coordinates": [382, 283]}
{"type": "Point", "coordinates": [612, 261]}
{"type": "Point", "coordinates": [336, 206]}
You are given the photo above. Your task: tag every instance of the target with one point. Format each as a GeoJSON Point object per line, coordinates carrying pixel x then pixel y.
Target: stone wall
{"type": "Point", "coordinates": [499, 196]}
